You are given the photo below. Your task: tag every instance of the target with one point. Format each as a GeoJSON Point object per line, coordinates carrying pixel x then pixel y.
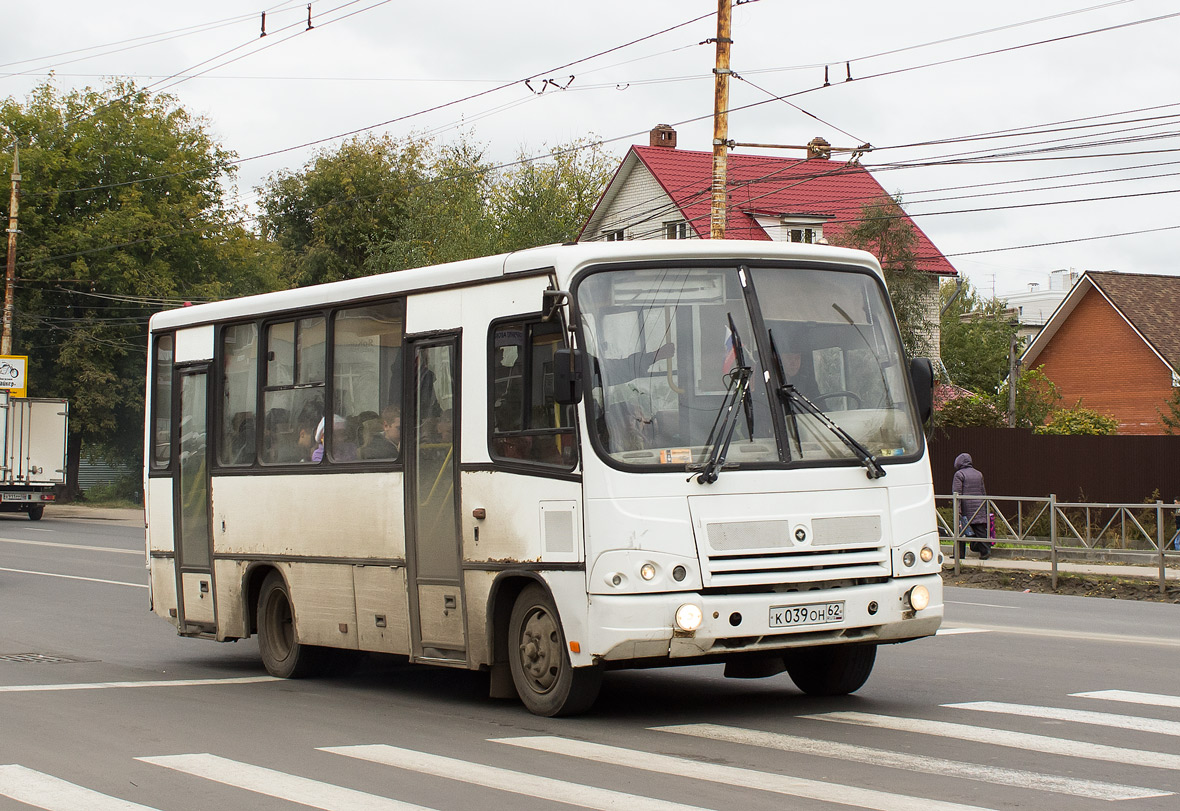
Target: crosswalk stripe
{"type": "Point", "coordinates": [735, 776]}
{"type": "Point", "coordinates": [112, 685]}
{"type": "Point", "coordinates": [957, 631]}
{"type": "Point", "coordinates": [260, 780]}
{"type": "Point", "coordinates": [916, 763]}
{"type": "Point", "coordinates": [1002, 737]}
{"type": "Point", "coordinates": [1104, 719]}
{"type": "Point", "coordinates": [54, 794]}
{"type": "Point", "coordinates": [546, 788]}
{"type": "Point", "coordinates": [1131, 697]}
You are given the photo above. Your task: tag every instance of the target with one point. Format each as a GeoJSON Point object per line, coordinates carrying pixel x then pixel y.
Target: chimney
{"type": "Point", "coordinates": [818, 148]}
{"type": "Point", "coordinates": [663, 135]}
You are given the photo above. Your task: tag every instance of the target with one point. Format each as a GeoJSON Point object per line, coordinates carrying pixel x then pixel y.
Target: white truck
{"type": "Point", "coordinates": [33, 465]}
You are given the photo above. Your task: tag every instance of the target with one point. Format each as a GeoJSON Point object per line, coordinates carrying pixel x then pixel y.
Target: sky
{"type": "Point", "coordinates": [1024, 138]}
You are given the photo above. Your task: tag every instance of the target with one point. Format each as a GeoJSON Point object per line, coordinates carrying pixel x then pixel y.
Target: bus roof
{"type": "Point", "coordinates": [563, 260]}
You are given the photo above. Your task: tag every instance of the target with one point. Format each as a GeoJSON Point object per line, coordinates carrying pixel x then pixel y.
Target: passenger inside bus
{"type": "Point", "coordinates": [386, 442]}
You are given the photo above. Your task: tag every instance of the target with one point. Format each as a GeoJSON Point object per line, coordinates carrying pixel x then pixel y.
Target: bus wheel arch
{"type": "Point", "coordinates": [283, 655]}
{"type": "Point", "coordinates": [545, 680]}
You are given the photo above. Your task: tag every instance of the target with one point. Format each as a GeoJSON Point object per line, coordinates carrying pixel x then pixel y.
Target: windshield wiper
{"type": "Point", "coordinates": [736, 400]}
{"type": "Point", "coordinates": [791, 396]}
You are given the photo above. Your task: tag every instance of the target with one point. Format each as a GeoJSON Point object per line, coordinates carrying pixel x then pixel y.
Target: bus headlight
{"type": "Point", "coordinates": [689, 617]}
{"type": "Point", "coordinates": [908, 559]}
{"type": "Point", "coordinates": [918, 597]}
{"type": "Point", "coordinates": [927, 554]}
{"type": "Point", "coordinates": [647, 571]}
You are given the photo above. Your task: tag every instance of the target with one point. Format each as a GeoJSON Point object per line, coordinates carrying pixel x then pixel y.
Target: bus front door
{"type": "Point", "coordinates": [191, 507]}
{"type": "Point", "coordinates": [433, 543]}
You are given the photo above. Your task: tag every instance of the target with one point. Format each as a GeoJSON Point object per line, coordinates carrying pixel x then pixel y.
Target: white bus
{"type": "Point", "coordinates": [549, 464]}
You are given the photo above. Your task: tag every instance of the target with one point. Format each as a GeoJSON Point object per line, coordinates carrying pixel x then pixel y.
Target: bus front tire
{"type": "Point", "coordinates": [541, 671]}
{"type": "Point", "coordinates": [831, 670]}
{"type": "Point", "coordinates": [282, 653]}
{"type": "Point", "coordinates": [36, 511]}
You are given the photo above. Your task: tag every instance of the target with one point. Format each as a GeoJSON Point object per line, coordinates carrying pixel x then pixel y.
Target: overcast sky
{"type": "Point", "coordinates": [1103, 76]}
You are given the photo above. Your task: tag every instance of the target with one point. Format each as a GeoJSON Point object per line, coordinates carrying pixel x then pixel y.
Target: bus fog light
{"type": "Point", "coordinates": [647, 571]}
{"type": "Point", "coordinates": [679, 573]}
{"type": "Point", "coordinates": [918, 597]}
{"type": "Point", "coordinates": [908, 559]}
{"type": "Point", "coordinates": [689, 617]}
{"type": "Point", "coordinates": [615, 579]}
{"type": "Point", "coordinates": [927, 554]}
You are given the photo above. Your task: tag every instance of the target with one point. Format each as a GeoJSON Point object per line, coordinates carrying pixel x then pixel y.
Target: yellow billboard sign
{"type": "Point", "coordinates": [14, 370]}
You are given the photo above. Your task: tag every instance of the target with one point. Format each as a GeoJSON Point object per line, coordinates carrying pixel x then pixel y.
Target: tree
{"type": "Point", "coordinates": [884, 231]}
{"type": "Point", "coordinates": [970, 411]}
{"type": "Point", "coordinates": [976, 334]}
{"type": "Point", "coordinates": [122, 213]}
{"type": "Point", "coordinates": [1170, 418]}
{"type": "Point", "coordinates": [1036, 397]}
{"type": "Point", "coordinates": [1079, 421]}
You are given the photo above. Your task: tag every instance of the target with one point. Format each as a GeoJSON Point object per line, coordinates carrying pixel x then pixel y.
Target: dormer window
{"type": "Point", "coordinates": [808, 235]}
{"type": "Point", "coordinates": [805, 228]}
{"type": "Point", "coordinates": [676, 230]}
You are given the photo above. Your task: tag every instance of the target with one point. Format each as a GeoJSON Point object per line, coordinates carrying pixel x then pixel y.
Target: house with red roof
{"type": "Point", "coordinates": [1113, 344]}
{"type": "Point", "coordinates": [661, 192]}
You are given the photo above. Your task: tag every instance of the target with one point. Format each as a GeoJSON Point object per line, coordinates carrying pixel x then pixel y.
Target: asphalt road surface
{"type": "Point", "coordinates": [1023, 701]}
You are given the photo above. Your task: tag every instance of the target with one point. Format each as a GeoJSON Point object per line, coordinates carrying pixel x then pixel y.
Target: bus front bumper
{"type": "Point", "coordinates": [752, 622]}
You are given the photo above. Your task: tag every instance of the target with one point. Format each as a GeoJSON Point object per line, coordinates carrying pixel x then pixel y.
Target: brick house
{"type": "Point", "coordinates": [661, 192]}
{"type": "Point", "coordinates": [1114, 343]}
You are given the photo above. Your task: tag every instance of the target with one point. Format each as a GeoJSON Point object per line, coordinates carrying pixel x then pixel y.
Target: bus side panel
{"type": "Point", "coordinates": [324, 604]}
{"type": "Point", "coordinates": [381, 617]}
{"type": "Point", "coordinates": [529, 519]}
{"type": "Point", "coordinates": [160, 540]}
{"type": "Point", "coordinates": [231, 609]}
{"type": "Point", "coordinates": [338, 516]}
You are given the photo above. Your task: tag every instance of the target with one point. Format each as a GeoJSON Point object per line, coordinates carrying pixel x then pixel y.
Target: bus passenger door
{"type": "Point", "coordinates": [433, 546]}
{"type": "Point", "coordinates": [191, 509]}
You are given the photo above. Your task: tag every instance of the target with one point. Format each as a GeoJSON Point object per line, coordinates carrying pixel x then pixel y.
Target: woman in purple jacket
{"type": "Point", "coordinates": [972, 511]}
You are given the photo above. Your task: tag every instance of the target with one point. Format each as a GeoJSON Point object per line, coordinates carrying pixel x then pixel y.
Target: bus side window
{"type": "Point", "coordinates": [162, 403]}
{"type": "Point", "coordinates": [239, 353]}
{"type": "Point", "coordinates": [293, 395]}
{"type": "Point", "coordinates": [366, 383]}
{"type": "Point", "coordinates": [527, 424]}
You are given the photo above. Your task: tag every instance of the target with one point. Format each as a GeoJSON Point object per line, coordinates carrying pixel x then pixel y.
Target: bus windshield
{"type": "Point", "coordinates": [663, 346]}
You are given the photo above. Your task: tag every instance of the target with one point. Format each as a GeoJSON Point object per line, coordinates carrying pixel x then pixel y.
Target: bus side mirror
{"type": "Point", "coordinates": [922, 375]}
{"type": "Point", "coordinates": [567, 386]}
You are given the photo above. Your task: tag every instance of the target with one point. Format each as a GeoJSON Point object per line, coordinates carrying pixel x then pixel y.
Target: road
{"type": "Point", "coordinates": [1025, 701]}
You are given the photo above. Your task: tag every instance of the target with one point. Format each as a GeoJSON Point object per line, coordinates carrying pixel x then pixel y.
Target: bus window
{"type": "Point", "coordinates": [527, 424]}
{"type": "Point", "coordinates": [162, 404]}
{"type": "Point", "coordinates": [293, 397]}
{"type": "Point", "coordinates": [366, 383]}
{"type": "Point", "coordinates": [239, 353]}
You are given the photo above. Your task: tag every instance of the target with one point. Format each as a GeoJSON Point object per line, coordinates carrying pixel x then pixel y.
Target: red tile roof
{"type": "Point", "coordinates": [775, 186]}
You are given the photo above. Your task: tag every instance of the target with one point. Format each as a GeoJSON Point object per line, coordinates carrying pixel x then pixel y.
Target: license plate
{"type": "Point", "coordinates": [790, 616]}
{"type": "Point", "coordinates": [14, 497]}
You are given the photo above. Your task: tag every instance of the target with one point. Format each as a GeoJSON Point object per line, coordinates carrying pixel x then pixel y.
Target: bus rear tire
{"type": "Point", "coordinates": [282, 654]}
{"type": "Point", "coordinates": [36, 511]}
{"type": "Point", "coordinates": [541, 671]}
{"type": "Point", "coordinates": [831, 670]}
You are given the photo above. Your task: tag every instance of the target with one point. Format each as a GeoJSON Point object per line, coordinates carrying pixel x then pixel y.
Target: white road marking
{"type": "Point", "coordinates": [735, 776]}
{"type": "Point", "coordinates": [260, 780]}
{"type": "Point", "coordinates": [76, 577]}
{"type": "Point", "coordinates": [917, 763]}
{"type": "Point", "coordinates": [138, 552]}
{"type": "Point", "coordinates": [1013, 740]}
{"type": "Point", "coordinates": [54, 794]}
{"type": "Point", "coordinates": [1102, 719]}
{"type": "Point", "coordinates": [983, 605]}
{"type": "Point", "coordinates": [957, 631]}
{"type": "Point", "coordinates": [1058, 635]}
{"type": "Point", "coordinates": [107, 685]}
{"type": "Point", "coordinates": [1130, 697]}
{"type": "Point", "coordinates": [530, 785]}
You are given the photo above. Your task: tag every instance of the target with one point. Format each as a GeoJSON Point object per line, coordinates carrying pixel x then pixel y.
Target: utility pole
{"type": "Point", "coordinates": [1013, 367]}
{"type": "Point", "coordinates": [10, 275]}
{"type": "Point", "coordinates": [720, 119]}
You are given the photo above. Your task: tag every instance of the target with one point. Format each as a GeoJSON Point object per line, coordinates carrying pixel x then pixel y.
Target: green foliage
{"type": "Point", "coordinates": [966, 412]}
{"type": "Point", "coordinates": [1036, 397]}
{"type": "Point", "coordinates": [122, 201]}
{"type": "Point", "coordinates": [1079, 421]}
{"type": "Point", "coordinates": [883, 230]}
{"type": "Point", "coordinates": [1170, 418]}
{"type": "Point", "coordinates": [975, 338]}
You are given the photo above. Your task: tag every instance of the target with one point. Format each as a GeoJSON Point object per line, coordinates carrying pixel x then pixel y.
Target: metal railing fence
{"type": "Point", "coordinates": [1077, 530]}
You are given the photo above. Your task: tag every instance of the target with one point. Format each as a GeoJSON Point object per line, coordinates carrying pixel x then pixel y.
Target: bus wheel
{"type": "Point", "coordinates": [36, 511]}
{"type": "Point", "coordinates": [541, 671]}
{"type": "Point", "coordinates": [831, 670]}
{"type": "Point", "coordinates": [282, 654]}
